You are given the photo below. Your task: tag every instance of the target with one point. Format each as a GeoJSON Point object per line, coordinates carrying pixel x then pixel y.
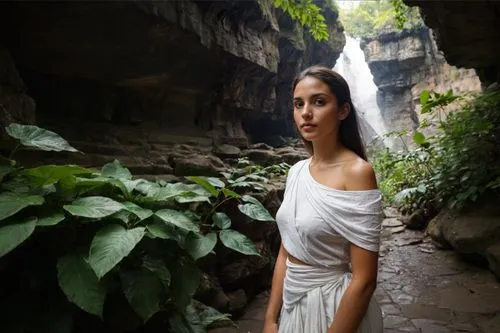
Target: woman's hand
{"type": "Point", "coordinates": [270, 327]}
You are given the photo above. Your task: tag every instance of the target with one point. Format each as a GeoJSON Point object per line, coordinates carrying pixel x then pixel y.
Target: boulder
{"type": "Point", "coordinates": [237, 300]}
{"type": "Point", "coordinates": [493, 257]}
{"type": "Point", "coordinates": [474, 232]}
{"type": "Point", "coordinates": [227, 151]}
{"type": "Point", "coordinates": [418, 219]}
{"type": "Point", "coordinates": [435, 229]}
{"type": "Point", "coordinates": [263, 157]}
{"type": "Point", "coordinates": [292, 155]}
{"type": "Point", "coordinates": [197, 165]}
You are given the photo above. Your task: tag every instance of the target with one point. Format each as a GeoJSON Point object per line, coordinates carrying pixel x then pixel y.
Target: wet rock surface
{"type": "Point", "coordinates": [421, 289]}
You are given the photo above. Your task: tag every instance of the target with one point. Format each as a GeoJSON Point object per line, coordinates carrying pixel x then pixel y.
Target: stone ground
{"type": "Point", "coordinates": [421, 289]}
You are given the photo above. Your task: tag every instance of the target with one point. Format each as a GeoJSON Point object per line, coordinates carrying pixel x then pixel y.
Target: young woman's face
{"type": "Point", "coordinates": [315, 109]}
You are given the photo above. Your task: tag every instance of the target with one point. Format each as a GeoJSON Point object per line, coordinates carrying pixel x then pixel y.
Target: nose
{"type": "Point", "coordinates": [307, 111]}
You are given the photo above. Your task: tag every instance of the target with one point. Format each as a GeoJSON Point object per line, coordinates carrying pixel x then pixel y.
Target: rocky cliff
{"type": "Point", "coordinates": [170, 89]}
{"type": "Point", "coordinates": [405, 63]}
{"type": "Point", "coordinates": [468, 32]}
{"type": "Point", "coordinates": [133, 80]}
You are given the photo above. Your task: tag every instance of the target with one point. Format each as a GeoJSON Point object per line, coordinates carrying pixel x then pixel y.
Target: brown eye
{"type": "Point", "coordinates": [298, 104]}
{"type": "Point", "coordinates": [320, 102]}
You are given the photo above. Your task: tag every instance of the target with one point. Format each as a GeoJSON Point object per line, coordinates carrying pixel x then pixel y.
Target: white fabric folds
{"type": "Point", "coordinates": [316, 224]}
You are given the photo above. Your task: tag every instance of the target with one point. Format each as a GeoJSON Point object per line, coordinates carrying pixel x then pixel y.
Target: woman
{"type": "Point", "coordinates": [329, 221]}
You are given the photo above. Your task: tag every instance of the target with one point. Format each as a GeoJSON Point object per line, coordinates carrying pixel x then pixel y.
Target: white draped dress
{"type": "Point", "coordinates": [316, 224]}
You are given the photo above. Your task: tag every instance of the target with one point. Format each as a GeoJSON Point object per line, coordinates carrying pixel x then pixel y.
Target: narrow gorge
{"type": "Point", "coordinates": [196, 95]}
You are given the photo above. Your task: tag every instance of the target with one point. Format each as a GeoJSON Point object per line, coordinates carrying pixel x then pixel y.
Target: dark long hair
{"type": "Point", "coordinates": [349, 133]}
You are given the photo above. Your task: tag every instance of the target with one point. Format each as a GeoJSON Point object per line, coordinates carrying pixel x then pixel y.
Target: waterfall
{"type": "Point", "coordinates": [353, 67]}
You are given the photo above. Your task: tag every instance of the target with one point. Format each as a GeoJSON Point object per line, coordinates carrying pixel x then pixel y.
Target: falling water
{"type": "Point", "coordinates": [353, 67]}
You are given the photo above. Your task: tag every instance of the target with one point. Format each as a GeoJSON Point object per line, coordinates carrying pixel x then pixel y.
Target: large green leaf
{"type": "Point", "coordinates": [418, 138]}
{"type": "Point", "coordinates": [199, 246]}
{"type": "Point", "coordinates": [238, 242]}
{"type": "Point", "coordinates": [424, 97]}
{"type": "Point", "coordinates": [144, 292]}
{"type": "Point", "coordinates": [80, 284]}
{"type": "Point", "coordinates": [50, 174]}
{"type": "Point", "coordinates": [178, 219]}
{"type": "Point", "coordinates": [116, 170]}
{"type": "Point", "coordinates": [216, 182]}
{"type": "Point", "coordinates": [160, 230]}
{"type": "Point", "coordinates": [221, 220]}
{"type": "Point", "coordinates": [39, 138]}
{"type": "Point", "coordinates": [254, 209]}
{"type": "Point", "coordinates": [147, 188]}
{"type": "Point", "coordinates": [5, 170]}
{"type": "Point", "coordinates": [169, 192]}
{"type": "Point", "coordinates": [158, 267]}
{"type": "Point", "coordinates": [210, 316]}
{"type": "Point", "coordinates": [228, 193]}
{"type": "Point", "coordinates": [50, 219]}
{"type": "Point", "coordinates": [192, 197]}
{"type": "Point", "coordinates": [202, 181]}
{"type": "Point", "coordinates": [110, 245]}
{"type": "Point", "coordinates": [185, 281]}
{"type": "Point", "coordinates": [93, 207]}
{"type": "Point", "coordinates": [11, 203]}
{"type": "Point", "coordinates": [132, 184]}
{"type": "Point", "coordinates": [142, 213]}
{"type": "Point", "coordinates": [12, 235]}
{"type": "Point", "coordinates": [167, 231]}
{"type": "Point", "coordinates": [123, 215]}
{"type": "Point", "coordinates": [192, 320]}
{"type": "Point", "coordinates": [18, 184]}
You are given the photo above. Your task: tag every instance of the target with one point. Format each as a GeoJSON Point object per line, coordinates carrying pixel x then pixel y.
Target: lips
{"type": "Point", "coordinates": [308, 127]}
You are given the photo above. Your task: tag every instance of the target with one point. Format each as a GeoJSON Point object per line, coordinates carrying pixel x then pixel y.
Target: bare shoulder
{"type": "Point", "coordinates": [360, 176]}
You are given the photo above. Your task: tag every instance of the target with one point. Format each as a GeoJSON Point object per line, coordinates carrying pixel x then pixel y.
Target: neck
{"type": "Point", "coordinates": [327, 150]}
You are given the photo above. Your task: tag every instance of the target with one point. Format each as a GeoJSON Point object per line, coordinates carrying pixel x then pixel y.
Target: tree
{"type": "Point", "coordinates": [369, 18]}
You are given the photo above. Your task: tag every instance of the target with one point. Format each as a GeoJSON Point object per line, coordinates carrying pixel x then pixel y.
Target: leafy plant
{"type": "Point", "coordinates": [370, 18]}
{"type": "Point", "coordinates": [248, 175]}
{"type": "Point", "coordinates": [116, 236]}
{"type": "Point", "coordinates": [308, 14]}
{"type": "Point", "coordinates": [456, 166]}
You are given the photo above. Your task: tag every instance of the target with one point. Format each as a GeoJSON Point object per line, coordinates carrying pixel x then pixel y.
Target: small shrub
{"type": "Point", "coordinates": [454, 167]}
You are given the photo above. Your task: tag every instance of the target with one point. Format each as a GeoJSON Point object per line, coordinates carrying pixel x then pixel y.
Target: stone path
{"type": "Point", "coordinates": [421, 289]}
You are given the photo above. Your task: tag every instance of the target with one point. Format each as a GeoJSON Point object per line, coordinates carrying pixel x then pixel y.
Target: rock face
{"type": "Point", "coordinates": [133, 79]}
{"type": "Point", "coordinates": [468, 32]}
{"type": "Point", "coordinates": [15, 104]}
{"type": "Point", "coordinates": [170, 89]}
{"type": "Point", "coordinates": [474, 233]}
{"type": "Point", "coordinates": [405, 63]}
{"type": "Point", "coordinates": [297, 51]}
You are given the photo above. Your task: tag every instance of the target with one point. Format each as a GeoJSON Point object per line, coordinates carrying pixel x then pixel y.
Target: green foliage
{"type": "Point", "coordinates": [95, 235]}
{"type": "Point", "coordinates": [370, 18]}
{"type": "Point", "coordinates": [454, 167]}
{"type": "Point", "coordinates": [248, 175]}
{"type": "Point", "coordinates": [307, 14]}
{"type": "Point", "coordinates": [430, 100]}
{"type": "Point", "coordinates": [468, 149]}
{"type": "Point", "coordinates": [38, 138]}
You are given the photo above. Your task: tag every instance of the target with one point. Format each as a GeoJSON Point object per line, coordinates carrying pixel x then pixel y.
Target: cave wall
{"type": "Point", "coordinates": [405, 63]}
{"type": "Point", "coordinates": [467, 32]}
{"type": "Point", "coordinates": [134, 80]}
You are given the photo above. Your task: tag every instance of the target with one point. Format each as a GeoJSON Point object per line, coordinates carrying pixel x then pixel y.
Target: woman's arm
{"type": "Point", "coordinates": [354, 302]}
{"type": "Point", "coordinates": [276, 297]}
